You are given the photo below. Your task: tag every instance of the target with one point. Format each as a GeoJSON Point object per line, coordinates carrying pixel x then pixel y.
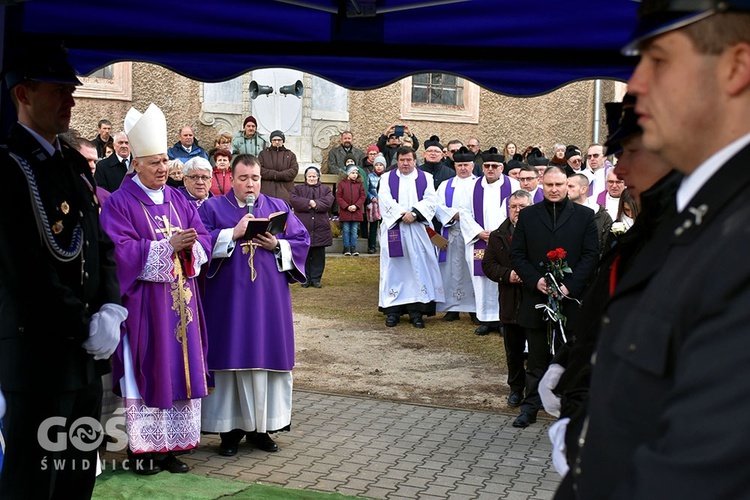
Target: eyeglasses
{"type": "Point", "coordinates": [595, 155]}
{"type": "Point", "coordinates": [516, 207]}
{"type": "Point", "coordinates": [575, 160]}
{"type": "Point", "coordinates": [618, 181]}
{"type": "Point", "coordinates": [525, 179]}
{"type": "Point", "coordinates": [453, 151]}
{"type": "Point", "coordinates": [491, 165]}
{"type": "Point", "coordinates": [197, 178]}
{"type": "Point", "coordinates": [433, 151]}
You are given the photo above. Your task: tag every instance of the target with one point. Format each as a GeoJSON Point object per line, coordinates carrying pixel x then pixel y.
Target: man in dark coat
{"type": "Point", "coordinates": [111, 170]}
{"type": "Point", "coordinates": [278, 168]}
{"type": "Point", "coordinates": [497, 267]}
{"type": "Point", "coordinates": [433, 162]}
{"type": "Point", "coordinates": [59, 297]}
{"type": "Point", "coordinates": [554, 223]}
{"type": "Point", "coordinates": [668, 399]}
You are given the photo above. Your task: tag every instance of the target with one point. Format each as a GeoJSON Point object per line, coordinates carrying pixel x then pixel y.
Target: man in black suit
{"type": "Point", "coordinates": [111, 170]}
{"type": "Point", "coordinates": [556, 222]}
{"type": "Point", "coordinates": [59, 297]}
{"type": "Point", "coordinates": [668, 401]}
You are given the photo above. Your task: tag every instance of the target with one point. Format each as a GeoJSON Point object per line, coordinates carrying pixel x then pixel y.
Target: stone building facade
{"type": "Point", "coordinates": [571, 115]}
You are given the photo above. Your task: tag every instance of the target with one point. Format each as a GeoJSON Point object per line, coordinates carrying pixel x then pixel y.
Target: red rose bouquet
{"type": "Point", "coordinates": [557, 268]}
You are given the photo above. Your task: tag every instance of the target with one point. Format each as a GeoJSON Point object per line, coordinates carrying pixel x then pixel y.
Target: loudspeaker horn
{"type": "Point", "coordinates": [295, 89]}
{"type": "Point", "coordinates": [256, 90]}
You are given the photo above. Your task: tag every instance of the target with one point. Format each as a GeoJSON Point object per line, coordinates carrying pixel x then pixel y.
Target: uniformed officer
{"type": "Point", "coordinates": [59, 297]}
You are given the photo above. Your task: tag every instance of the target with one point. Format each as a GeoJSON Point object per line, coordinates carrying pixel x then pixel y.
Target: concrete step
{"type": "Point", "coordinates": [338, 247]}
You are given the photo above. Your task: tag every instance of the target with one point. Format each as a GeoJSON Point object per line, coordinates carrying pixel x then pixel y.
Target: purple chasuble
{"type": "Point", "coordinates": [395, 248]}
{"type": "Point", "coordinates": [250, 322]}
{"type": "Point", "coordinates": [166, 369]}
{"type": "Point", "coordinates": [538, 196]}
{"type": "Point", "coordinates": [481, 245]}
{"type": "Point", "coordinates": [450, 189]}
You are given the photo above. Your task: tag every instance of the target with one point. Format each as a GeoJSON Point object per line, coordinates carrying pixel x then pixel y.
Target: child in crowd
{"type": "Point", "coordinates": [373, 205]}
{"type": "Point", "coordinates": [350, 195]}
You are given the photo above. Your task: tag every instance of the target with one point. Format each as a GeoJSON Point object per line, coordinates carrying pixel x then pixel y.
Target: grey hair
{"type": "Point", "coordinates": [197, 163]}
{"type": "Point", "coordinates": [522, 193]}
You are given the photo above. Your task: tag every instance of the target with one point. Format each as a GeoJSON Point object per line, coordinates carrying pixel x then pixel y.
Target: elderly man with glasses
{"type": "Point", "coordinates": [197, 179]}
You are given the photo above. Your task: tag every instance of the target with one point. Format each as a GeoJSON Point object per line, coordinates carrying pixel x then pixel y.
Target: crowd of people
{"type": "Point", "coordinates": [601, 277]}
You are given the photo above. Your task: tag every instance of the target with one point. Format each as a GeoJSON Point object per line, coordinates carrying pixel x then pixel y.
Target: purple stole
{"type": "Point", "coordinates": [481, 245]}
{"type": "Point", "coordinates": [602, 199]}
{"type": "Point", "coordinates": [395, 248]}
{"type": "Point", "coordinates": [449, 190]}
{"type": "Point", "coordinates": [538, 196]}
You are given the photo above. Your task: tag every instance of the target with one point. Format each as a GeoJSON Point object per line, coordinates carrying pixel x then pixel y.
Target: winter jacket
{"type": "Point", "coordinates": [178, 151]}
{"type": "Point", "coordinates": [349, 192]}
{"type": "Point", "coordinates": [316, 219]}
{"type": "Point", "coordinates": [241, 144]}
{"type": "Point", "coordinates": [278, 168]}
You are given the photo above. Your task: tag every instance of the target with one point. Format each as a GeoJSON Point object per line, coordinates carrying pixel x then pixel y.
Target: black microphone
{"type": "Point", "coordinates": [250, 202]}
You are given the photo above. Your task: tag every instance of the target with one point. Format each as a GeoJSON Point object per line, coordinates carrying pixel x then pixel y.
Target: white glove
{"type": "Point", "coordinates": [557, 437]}
{"type": "Point", "coordinates": [2, 405]}
{"type": "Point", "coordinates": [104, 331]}
{"type": "Point", "coordinates": [549, 381]}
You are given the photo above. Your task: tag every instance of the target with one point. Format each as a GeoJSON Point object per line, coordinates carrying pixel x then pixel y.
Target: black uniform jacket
{"type": "Point", "coordinates": [669, 403]}
{"type": "Point", "coordinates": [46, 303]}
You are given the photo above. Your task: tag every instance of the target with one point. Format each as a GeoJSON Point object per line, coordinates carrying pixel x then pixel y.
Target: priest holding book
{"type": "Point", "coordinates": [248, 309]}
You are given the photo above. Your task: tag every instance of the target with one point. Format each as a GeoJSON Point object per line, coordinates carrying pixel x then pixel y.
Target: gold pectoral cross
{"type": "Point", "coordinates": [168, 230]}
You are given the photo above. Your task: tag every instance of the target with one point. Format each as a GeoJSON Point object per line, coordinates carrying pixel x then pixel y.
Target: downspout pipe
{"type": "Point", "coordinates": [597, 109]}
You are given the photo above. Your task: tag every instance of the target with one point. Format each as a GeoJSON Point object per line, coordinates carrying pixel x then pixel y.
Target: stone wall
{"type": "Point", "coordinates": [565, 115]}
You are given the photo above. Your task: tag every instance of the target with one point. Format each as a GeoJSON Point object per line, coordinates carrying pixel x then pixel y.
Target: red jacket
{"type": "Point", "coordinates": [349, 192]}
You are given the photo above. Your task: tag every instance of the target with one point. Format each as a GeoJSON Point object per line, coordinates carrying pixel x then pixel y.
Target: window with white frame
{"type": "Point", "coordinates": [110, 82]}
{"type": "Point", "coordinates": [439, 97]}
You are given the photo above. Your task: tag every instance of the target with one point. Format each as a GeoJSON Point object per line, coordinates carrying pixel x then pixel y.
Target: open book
{"type": "Point", "coordinates": [274, 224]}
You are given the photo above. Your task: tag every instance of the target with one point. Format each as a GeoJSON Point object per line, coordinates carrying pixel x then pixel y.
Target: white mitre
{"type": "Point", "coordinates": [147, 132]}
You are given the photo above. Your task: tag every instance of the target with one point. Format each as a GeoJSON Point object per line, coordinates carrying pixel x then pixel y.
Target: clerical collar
{"type": "Point", "coordinates": [48, 147]}
{"type": "Point", "coordinates": [156, 195]}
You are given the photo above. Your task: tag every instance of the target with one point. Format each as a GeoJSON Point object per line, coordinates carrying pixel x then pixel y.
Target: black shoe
{"type": "Point", "coordinates": [392, 320]}
{"type": "Point", "coordinates": [230, 442]}
{"type": "Point", "coordinates": [306, 284]}
{"type": "Point", "coordinates": [524, 420]}
{"type": "Point", "coordinates": [174, 465]}
{"type": "Point", "coordinates": [262, 441]}
{"type": "Point", "coordinates": [316, 284]}
{"type": "Point", "coordinates": [515, 399]}
{"type": "Point", "coordinates": [354, 251]}
{"type": "Point", "coordinates": [474, 319]}
{"type": "Point", "coordinates": [144, 464]}
{"type": "Point", "coordinates": [451, 316]}
{"type": "Point", "coordinates": [482, 330]}
{"type": "Point", "coordinates": [371, 250]}
{"type": "Point", "coordinates": [347, 251]}
{"type": "Point", "coordinates": [417, 322]}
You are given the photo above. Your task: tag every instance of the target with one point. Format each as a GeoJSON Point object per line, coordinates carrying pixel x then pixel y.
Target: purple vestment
{"type": "Point", "coordinates": [250, 322]}
{"type": "Point", "coordinates": [168, 359]}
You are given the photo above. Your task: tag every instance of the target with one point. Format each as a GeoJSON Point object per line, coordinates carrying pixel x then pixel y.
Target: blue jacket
{"type": "Point", "coordinates": [178, 151]}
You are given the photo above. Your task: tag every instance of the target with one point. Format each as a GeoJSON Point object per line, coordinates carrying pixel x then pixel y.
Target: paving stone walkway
{"type": "Point", "coordinates": [379, 449]}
